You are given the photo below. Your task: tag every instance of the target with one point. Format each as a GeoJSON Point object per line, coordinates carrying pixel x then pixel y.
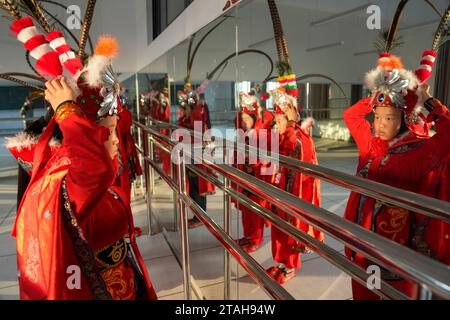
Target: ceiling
{"type": "Point", "coordinates": [252, 21]}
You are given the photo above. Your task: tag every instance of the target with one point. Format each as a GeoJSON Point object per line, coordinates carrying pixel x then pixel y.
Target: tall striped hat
{"type": "Point", "coordinates": [47, 60]}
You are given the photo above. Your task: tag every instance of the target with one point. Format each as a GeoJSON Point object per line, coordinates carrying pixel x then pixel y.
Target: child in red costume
{"type": "Point", "coordinates": [61, 229]}
{"type": "Point", "coordinates": [199, 120]}
{"type": "Point", "coordinates": [397, 150]}
{"type": "Point", "coordinates": [255, 130]}
{"type": "Point", "coordinates": [285, 250]}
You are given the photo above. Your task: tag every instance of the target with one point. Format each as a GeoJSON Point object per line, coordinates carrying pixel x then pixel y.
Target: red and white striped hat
{"type": "Point", "coordinates": [426, 66]}
{"type": "Point", "coordinates": [47, 60]}
{"type": "Point", "coordinates": [66, 56]}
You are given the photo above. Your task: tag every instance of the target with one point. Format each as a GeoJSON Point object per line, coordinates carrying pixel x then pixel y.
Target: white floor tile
{"type": "Point", "coordinates": [9, 293]}
{"type": "Point", "coordinates": [165, 275]}
{"type": "Point", "coordinates": [8, 271]}
{"type": "Point", "coordinates": [7, 244]}
{"type": "Point", "coordinates": [153, 247]}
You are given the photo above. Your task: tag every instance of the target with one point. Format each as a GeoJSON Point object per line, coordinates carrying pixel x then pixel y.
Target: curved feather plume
{"type": "Point", "coordinates": [391, 39]}
{"type": "Point", "coordinates": [28, 60]}
{"type": "Point", "coordinates": [89, 15]}
{"type": "Point", "coordinates": [91, 46]}
{"type": "Point", "coordinates": [191, 58]}
{"type": "Point", "coordinates": [284, 62]}
{"type": "Point", "coordinates": [394, 25]}
{"type": "Point", "coordinates": [11, 7]}
{"type": "Point", "coordinates": [18, 81]}
{"type": "Point", "coordinates": [25, 75]}
{"type": "Point", "coordinates": [433, 7]}
{"type": "Point", "coordinates": [442, 31]}
{"type": "Point", "coordinates": [314, 75]}
{"type": "Point", "coordinates": [231, 56]}
{"type": "Point", "coordinates": [36, 94]}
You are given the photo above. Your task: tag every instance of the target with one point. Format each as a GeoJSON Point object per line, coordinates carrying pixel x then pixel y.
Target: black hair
{"type": "Point", "coordinates": [253, 116]}
{"type": "Point", "coordinates": [403, 126]}
{"type": "Point", "coordinates": [35, 128]}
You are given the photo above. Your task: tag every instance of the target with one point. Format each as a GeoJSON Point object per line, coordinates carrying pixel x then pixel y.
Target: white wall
{"type": "Point", "coordinates": [254, 25]}
{"type": "Point", "coordinates": [127, 20]}
{"type": "Point", "coordinates": [114, 17]}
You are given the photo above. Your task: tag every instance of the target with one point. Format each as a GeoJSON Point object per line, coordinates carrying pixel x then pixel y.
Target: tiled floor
{"type": "Point", "coordinates": [316, 280]}
{"type": "Point", "coordinates": [8, 193]}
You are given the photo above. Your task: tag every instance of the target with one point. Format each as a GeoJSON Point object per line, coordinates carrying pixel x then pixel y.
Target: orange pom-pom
{"type": "Point", "coordinates": [107, 46]}
{"type": "Point", "coordinates": [392, 62]}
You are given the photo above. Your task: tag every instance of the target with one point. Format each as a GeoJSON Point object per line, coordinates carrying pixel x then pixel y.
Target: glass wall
{"type": "Point", "coordinates": [237, 52]}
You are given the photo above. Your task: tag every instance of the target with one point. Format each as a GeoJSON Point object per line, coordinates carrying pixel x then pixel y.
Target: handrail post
{"type": "Point", "coordinates": [425, 293]}
{"type": "Point", "coordinates": [148, 195]}
{"type": "Point", "coordinates": [227, 229]}
{"type": "Point", "coordinates": [181, 177]}
{"type": "Point", "coordinates": [175, 195]}
{"type": "Point", "coordinates": [141, 158]}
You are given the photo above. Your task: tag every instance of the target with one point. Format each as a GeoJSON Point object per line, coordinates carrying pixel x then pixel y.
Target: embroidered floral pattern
{"type": "Point", "coordinates": [120, 283]}
{"type": "Point", "coordinates": [32, 264]}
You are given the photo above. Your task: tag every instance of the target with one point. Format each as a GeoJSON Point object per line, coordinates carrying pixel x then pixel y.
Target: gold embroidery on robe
{"type": "Point", "coordinates": [395, 222]}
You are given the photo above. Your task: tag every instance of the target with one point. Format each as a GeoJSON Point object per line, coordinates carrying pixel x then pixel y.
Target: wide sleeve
{"type": "Point", "coordinates": [91, 170]}
{"type": "Point", "coordinates": [436, 148]}
{"type": "Point", "coordinates": [359, 127]}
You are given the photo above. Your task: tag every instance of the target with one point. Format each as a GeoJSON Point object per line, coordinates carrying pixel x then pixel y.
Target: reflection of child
{"type": "Point", "coordinates": [285, 250]}
{"type": "Point", "coordinates": [253, 224]}
{"type": "Point", "coordinates": [398, 151]}
{"type": "Point", "coordinates": [26, 112]}
{"type": "Point", "coordinates": [189, 112]}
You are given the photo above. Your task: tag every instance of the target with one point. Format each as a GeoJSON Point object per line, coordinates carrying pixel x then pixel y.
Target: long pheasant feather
{"type": "Point", "coordinates": [88, 16]}
{"type": "Point", "coordinates": [11, 7]}
{"type": "Point", "coordinates": [394, 25]}
{"type": "Point", "coordinates": [284, 63]}
{"type": "Point", "coordinates": [441, 34]}
{"type": "Point", "coordinates": [33, 8]}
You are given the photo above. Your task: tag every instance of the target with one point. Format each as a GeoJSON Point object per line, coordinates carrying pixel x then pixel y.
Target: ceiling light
{"type": "Point", "coordinates": [330, 45]}
{"type": "Point", "coordinates": [262, 42]}
{"type": "Point", "coordinates": [339, 15]}
{"type": "Point", "coordinates": [363, 53]}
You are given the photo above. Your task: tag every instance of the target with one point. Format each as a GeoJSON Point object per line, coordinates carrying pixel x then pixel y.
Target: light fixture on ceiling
{"type": "Point", "coordinates": [326, 46]}
{"type": "Point", "coordinates": [262, 42]}
{"type": "Point", "coordinates": [363, 53]}
{"type": "Point", "coordinates": [340, 15]}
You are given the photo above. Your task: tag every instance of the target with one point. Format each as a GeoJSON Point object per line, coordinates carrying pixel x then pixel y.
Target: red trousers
{"type": "Point", "coordinates": [283, 247]}
{"type": "Point", "coordinates": [253, 225]}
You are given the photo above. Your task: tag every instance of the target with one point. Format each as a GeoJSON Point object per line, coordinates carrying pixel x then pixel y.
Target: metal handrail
{"type": "Point", "coordinates": [18, 119]}
{"type": "Point", "coordinates": [323, 250]}
{"type": "Point", "coordinates": [418, 203]}
{"type": "Point", "coordinates": [381, 250]}
{"type": "Point", "coordinates": [253, 268]}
